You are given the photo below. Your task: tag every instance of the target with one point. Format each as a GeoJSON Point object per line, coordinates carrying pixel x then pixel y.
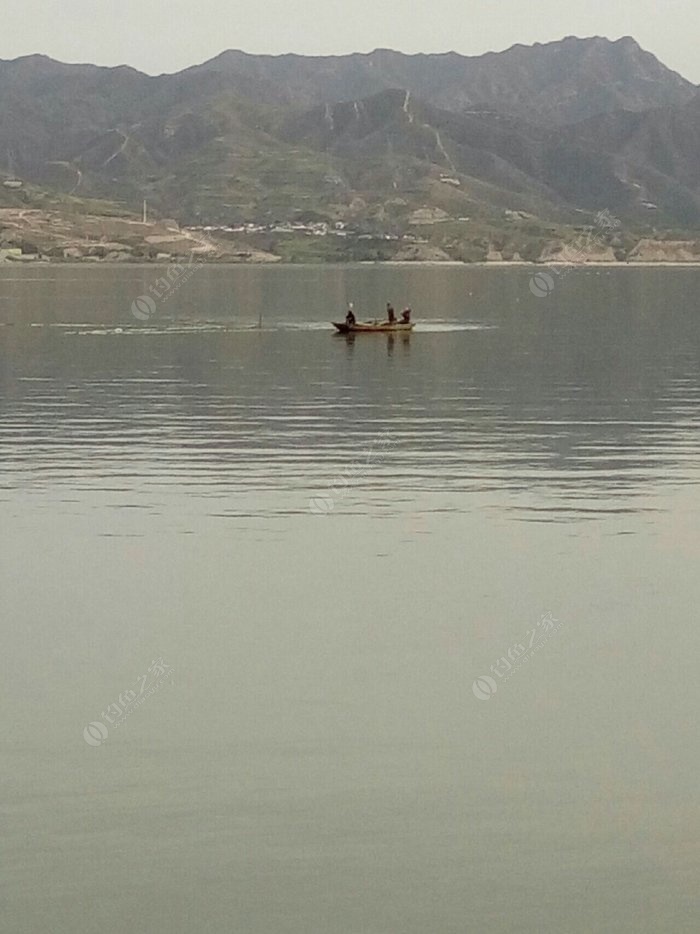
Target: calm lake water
{"type": "Point", "coordinates": [365, 721]}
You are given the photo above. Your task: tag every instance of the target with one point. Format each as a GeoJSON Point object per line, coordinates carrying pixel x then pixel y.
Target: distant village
{"type": "Point", "coordinates": [30, 234]}
{"type": "Point", "coordinates": [315, 229]}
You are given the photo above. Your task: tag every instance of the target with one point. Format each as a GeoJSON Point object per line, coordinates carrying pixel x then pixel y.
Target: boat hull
{"type": "Point", "coordinates": [369, 328]}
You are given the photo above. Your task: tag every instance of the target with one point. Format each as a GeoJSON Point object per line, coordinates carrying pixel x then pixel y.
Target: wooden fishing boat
{"type": "Point", "coordinates": [372, 327]}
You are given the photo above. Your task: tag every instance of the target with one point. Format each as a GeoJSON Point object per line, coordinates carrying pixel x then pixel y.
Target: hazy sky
{"type": "Point", "coordinates": [166, 35]}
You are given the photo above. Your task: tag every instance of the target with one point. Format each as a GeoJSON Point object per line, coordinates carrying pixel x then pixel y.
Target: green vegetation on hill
{"type": "Point", "coordinates": [499, 154]}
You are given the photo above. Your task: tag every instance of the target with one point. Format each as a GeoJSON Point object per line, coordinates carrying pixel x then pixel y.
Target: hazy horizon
{"type": "Point", "coordinates": [162, 37]}
{"type": "Point", "coordinates": [368, 51]}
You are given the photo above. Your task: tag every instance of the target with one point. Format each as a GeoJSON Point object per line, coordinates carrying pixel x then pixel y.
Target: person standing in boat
{"type": "Point", "coordinates": [350, 318]}
{"type": "Point", "coordinates": [406, 316]}
{"type": "Point", "coordinates": [390, 313]}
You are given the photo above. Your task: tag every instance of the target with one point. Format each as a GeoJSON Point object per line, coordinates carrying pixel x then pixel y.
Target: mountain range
{"type": "Point", "coordinates": [548, 133]}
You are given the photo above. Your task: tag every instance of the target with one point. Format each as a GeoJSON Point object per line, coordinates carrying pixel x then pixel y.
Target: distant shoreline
{"type": "Point", "coordinates": [404, 264]}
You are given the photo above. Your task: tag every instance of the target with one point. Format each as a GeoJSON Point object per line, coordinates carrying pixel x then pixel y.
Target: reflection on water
{"type": "Point", "coordinates": [559, 412]}
{"type": "Point", "coordinates": [329, 540]}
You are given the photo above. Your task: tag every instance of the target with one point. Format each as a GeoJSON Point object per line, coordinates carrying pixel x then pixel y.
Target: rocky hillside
{"type": "Point", "coordinates": [560, 82]}
{"type": "Point", "coordinates": [553, 133]}
{"type": "Point", "coordinates": [656, 153]}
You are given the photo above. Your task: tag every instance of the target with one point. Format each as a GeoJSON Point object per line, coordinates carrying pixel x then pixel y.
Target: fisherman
{"type": "Point", "coordinates": [406, 316]}
{"type": "Point", "coordinates": [390, 313]}
{"type": "Point", "coordinates": [350, 319]}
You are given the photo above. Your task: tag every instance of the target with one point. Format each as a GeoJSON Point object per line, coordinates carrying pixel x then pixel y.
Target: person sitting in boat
{"type": "Point", "coordinates": [350, 319]}
{"type": "Point", "coordinates": [406, 316]}
{"type": "Point", "coordinates": [390, 313]}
